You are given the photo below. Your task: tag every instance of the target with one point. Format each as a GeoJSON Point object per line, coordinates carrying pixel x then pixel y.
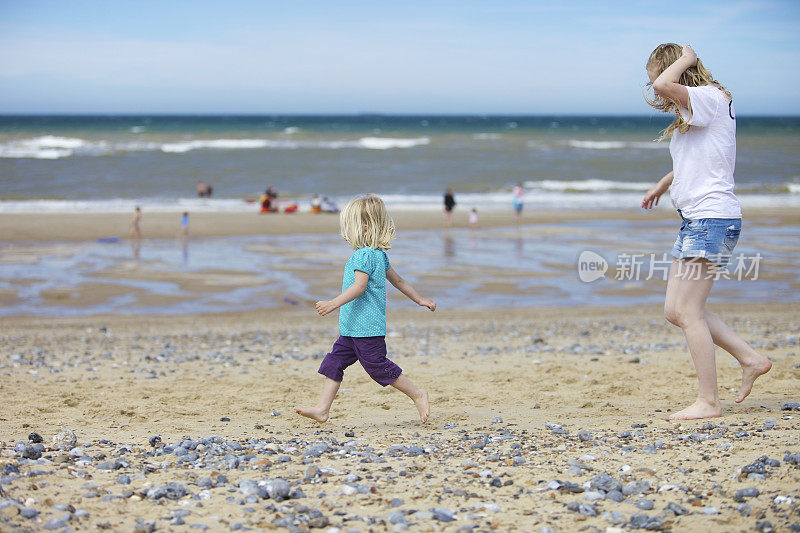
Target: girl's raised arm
{"type": "Point", "coordinates": [666, 84]}
{"type": "Point", "coordinates": [406, 288]}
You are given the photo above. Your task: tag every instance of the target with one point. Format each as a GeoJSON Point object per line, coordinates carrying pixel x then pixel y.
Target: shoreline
{"type": "Point", "coordinates": [47, 227]}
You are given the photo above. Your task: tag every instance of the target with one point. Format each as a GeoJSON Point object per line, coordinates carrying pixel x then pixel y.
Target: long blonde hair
{"type": "Point", "coordinates": [364, 221]}
{"type": "Point", "coordinates": [695, 76]}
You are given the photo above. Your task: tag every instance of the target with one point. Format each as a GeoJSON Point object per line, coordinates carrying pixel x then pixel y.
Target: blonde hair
{"type": "Point", "coordinates": [695, 76]}
{"type": "Point", "coordinates": [364, 221]}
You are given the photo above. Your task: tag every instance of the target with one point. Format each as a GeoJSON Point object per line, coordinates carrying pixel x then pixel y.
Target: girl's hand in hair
{"type": "Point", "coordinates": [690, 54]}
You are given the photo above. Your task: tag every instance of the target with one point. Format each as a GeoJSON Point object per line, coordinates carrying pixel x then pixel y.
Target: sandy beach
{"type": "Point", "coordinates": [17, 227]}
{"type": "Point", "coordinates": [543, 418]}
{"type": "Point", "coordinates": [540, 419]}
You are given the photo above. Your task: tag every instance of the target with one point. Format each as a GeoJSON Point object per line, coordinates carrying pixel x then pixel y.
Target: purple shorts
{"type": "Point", "coordinates": [369, 351]}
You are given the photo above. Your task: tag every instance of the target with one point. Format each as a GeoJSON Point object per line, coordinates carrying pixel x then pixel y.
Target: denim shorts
{"type": "Point", "coordinates": [710, 238]}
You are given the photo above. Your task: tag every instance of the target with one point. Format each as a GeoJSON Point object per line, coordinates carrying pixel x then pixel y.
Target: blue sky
{"type": "Point", "coordinates": [392, 57]}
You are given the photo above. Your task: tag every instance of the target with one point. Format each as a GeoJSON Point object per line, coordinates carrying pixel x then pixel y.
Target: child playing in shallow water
{"type": "Point", "coordinates": [366, 225]}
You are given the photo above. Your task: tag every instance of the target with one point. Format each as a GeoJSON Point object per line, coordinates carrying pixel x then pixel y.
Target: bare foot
{"type": "Point", "coordinates": [749, 374]}
{"type": "Point", "coordinates": [423, 406]}
{"type": "Point", "coordinates": [699, 409]}
{"type": "Point", "coordinates": [314, 413]}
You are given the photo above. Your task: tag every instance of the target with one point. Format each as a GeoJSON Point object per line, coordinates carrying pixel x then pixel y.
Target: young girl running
{"type": "Point", "coordinates": [703, 149]}
{"type": "Point", "coordinates": [366, 225]}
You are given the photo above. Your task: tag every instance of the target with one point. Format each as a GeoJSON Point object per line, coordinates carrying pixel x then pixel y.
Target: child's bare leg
{"type": "Point", "coordinates": [418, 395]}
{"type": "Point", "coordinates": [320, 411]}
{"type": "Point", "coordinates": [687, 311]}
{"type": "Point", "coordinates": [753, 364]}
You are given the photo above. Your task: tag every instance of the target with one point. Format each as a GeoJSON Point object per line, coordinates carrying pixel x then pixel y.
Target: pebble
{"type": "Point", "coordinates": [679, 510]}
{"type": "Point", "coordinates": [643, 521]}
{"type": "Point", "coordinates": [278, 489]}
{"type": "Point", "coordinates": [317, 449]}
{"type": "Point", "coordinates": [765, 526]}
{"type": "Point", "coordinates": [742, 494]}
{"type": "Point", "coordinates": [635, 487]}
{"type": "Point", "coordinates": [605, 483]}
{"type": "Point", "coordinates": [582, 508]}
{"type": "Point", "coordinates": [171, 491]}
{"type": "Point", "coordinates": [616, 518]}
{"type": "Point", "coordinates": [443, 515]}
{"type": "Point", "coordinates": [645, 505]}
{"type": "Point", "coordinates": [65, 439]}
{"type": "Point", "coordinates": [792, 458]}
{"type": "Point", "coordinates": [31, 452]}
{"type": "Point", "coordinates": [231, 461]}
{"type": "Point", "coordinates": [77, 452]}
{"type": "Point", "coordinates": [28, 512]}
{"type": "Point", "coordinates": [744, 509]}
{"type": "Point", "coordinates": [58, 523]}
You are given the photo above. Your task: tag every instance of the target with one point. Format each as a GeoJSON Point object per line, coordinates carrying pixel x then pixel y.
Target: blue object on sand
{"type": "Point", "coordinates": [108, 239]}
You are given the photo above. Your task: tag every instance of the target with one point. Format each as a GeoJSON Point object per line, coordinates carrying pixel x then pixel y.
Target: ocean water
{"type": "Point", "coordinates": [107, 163]}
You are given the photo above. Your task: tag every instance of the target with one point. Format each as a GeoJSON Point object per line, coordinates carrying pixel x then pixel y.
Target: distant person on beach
{"type": "Point", "coordinates": [316, 204]}
{"type": "Point", "coordinates": [366, 225]}
{"type": "Point", "coordinates": [518, 199]}
{"type": "Point", "coordinates": [267, 201]}
{"type": "Point", "coordinates": [328, 206]}
{"type": "Point", "coordinates": [183, 236]}
{"type": "Point", "coordinates": [473, 218]}
{"type": "Point", "coordinates": [184, 231]}
{"type": "Point", "coordinates": [136, 230]}
{"type": "Point", "coordinates": [449, 204]}
{"type": "Point", "coordinates": [703, 148]}
{"type": "Point", "coordinates": [204, 190]}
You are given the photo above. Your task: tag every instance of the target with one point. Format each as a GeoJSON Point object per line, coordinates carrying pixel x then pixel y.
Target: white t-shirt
{"type": "Point", "coordinates": [704, 157]}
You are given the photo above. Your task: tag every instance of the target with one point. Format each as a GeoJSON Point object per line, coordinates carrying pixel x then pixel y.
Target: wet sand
{"type": "Point", "coordinates": [538, 417]}
{"type": "Point", "coordinates": [15, 227]}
